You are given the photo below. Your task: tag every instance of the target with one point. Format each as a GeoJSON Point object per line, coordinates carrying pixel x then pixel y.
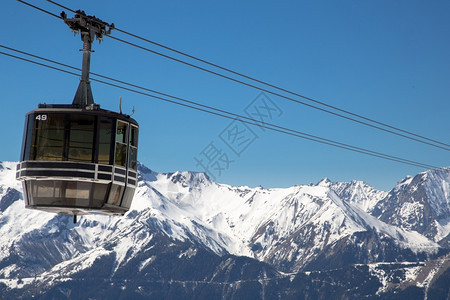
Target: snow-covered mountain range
{"type": "Point", "coordinates": [180, 218]}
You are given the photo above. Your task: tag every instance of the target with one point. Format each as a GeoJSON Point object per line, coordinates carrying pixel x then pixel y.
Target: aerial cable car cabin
{"type": "Point", "coordinates": [79, 159]}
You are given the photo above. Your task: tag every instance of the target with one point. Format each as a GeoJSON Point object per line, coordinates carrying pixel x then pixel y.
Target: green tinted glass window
{"type": "Point", "coordinates": [120, 157]}
{"type": "Point", "coordinates": [104, 146]}
{"type": "Point", "coordinates": [132, 152]}
{"type": "Point", "coordinates": [121, 154]}
{"type": "Point", "coordinates": [121, 132]}
{"type": "Point", "coordinates": [81, 138]}
{"type": "Point", "coordinates": [48, 137]}
{"type": "Point", "coordinates": [132, 158]}
{"type": "Point", "coordinates": [134, 136]}
{"type": "Point", "coordinates": [28, 139]}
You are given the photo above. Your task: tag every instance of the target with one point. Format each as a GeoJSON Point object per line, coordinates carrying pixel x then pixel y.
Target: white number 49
{"type": "Point", "coordinates": [41, 117]}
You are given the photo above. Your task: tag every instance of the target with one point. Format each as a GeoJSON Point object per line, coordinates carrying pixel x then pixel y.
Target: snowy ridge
{"type": "Point", "coordinates": [420, 203]}
{"type": "Point", "coordinates": [262, 219]}
{"type": "Point", "coordinates": [290, 228]}
{"type": "Point", "coordinates": [357, 192]}
{"type": "Point", "coordinates": [437, 185]}
{"type": "Point", "coordinates": [8, 176]}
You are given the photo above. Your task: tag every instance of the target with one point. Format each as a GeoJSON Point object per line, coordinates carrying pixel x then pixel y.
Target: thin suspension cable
{"type": "Point", "coordinates": [206, 106]}
{"type": "Point", "coordinates": [41, 9]}
{"type": "Point", "coordinates": [38, 63]}
{"type": "Point", "coordinates": [264, 82]}
{"type": "Point", "coordinates": [247, 120]}
{"type": "Point", "coordinates": [265, 90]}
{"type": "Point", "coordinates": [236, 116]}
{"type": "Point", "coordinates": [282, 89]}
{"type": "Point", "coordinates": [278, 88]}
{"type": "Point", "coordinates": [258, 124]}
{"type": "Point", "coordinates": [277, 94]}
{"type": "Point", "coordinates": [61, 6]}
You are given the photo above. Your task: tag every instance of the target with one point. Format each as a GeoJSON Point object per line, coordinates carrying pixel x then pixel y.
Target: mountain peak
{"type": "Point", "coordinates": [324, 182]}
{"type": "Point", "coordinates": [189, 178]}
{"type": "Point", "coordinates": [420, 203]}
{"type": "Point", "coordinates": [145, 173]}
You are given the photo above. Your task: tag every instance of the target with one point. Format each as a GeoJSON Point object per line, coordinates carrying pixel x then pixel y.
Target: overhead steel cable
{"type": "Point", "coordinates": [280, 88]}
{"type": "Point", "coordinates": [414, 137]}
{"type": "Point", "coordinates": [61, 6]}
{"type": "Point", "coordinates": [205, 106]}
{"type": "Point", "coordinates": [40, 9]}
{"type": "Point", "coordinates": [38, 63]}
{"type": "Point", "coordinates": [219, 112]}
{"type": "Point", "coordinates": [446, 147]}
{"type": "Point", "coordinates": [264, 82]}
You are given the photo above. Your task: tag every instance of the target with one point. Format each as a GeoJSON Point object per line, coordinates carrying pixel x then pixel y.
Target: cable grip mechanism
{"type": "Point", "coordinates": [90, 28]}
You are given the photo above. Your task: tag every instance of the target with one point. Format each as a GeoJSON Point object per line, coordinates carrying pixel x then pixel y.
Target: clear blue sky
{"type": "Point", "coordinates": [387, 60]}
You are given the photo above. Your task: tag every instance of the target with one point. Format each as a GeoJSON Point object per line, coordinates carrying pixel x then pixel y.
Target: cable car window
{"type": "Point", "coordinates": [121, 154]}
{"type": "Point", "coordinates": [54, 137]}
{"type": "Point", "coordinates": [134, 136]}
{"type": "Point", "coordinates": [48, 137]}
{"type": "Point", "coordinates": [99, 196]}
{"type": "Point", "coordinates": [121, 132]}
{"type": "Point", "coordinates": [66, 193]}
{"type": "Point", "coordinates": [132, 152]}
{"type": "Point", "coordinates": [78, 191]}
{"type": "Point", "coordinates": [121, 144]}
{"type": "Point", "coordinates": [132, 158]}
{"type": "Point", "coordinates": [45, 189]}
{"type": "Point", "coordinates": [29, 129]}
{"type": "Point", "coordinates": [127, 197]}
{"type": "Point", "coordinates": [104, 145]}
{"type": "Point", "coordinates": [81, 138]}
{"type": "Point", "coordinates": [115, 195]}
